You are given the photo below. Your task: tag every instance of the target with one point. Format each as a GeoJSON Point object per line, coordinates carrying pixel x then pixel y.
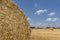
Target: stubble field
{"type": "Point", "coordinates": [45, 34]}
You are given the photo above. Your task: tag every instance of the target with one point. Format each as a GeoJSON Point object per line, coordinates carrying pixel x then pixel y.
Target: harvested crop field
{"type": "Point", "coordinates": [45, 34]}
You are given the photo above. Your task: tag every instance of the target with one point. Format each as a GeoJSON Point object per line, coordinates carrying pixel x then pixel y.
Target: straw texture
{"type": "Point", "coordinates": [13, 22]}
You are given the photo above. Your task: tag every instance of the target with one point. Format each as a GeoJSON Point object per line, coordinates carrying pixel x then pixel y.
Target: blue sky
{"type": "Point", "coordinates": [41, 13]}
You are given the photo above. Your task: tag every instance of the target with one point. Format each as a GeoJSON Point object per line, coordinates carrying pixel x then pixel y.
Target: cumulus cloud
{"type": "Point", "coordinates": [55, 19]}
{"type": "Point", "coordinates": [49, 19]}
{"type": "Point", "coordinates": [41, 11]}
{"type": "Point", "coordinates": [29, 19]}
{"type": "Point", "coordinates": [52, 19]}
{"type": "Point", "coordinates": [51, 14]}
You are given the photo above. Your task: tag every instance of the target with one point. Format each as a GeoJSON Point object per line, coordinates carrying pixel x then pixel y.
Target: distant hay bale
{"type": "Point", "coordinates": [13, 23]}
{"type": "Point", "coordinates": [51, 29]}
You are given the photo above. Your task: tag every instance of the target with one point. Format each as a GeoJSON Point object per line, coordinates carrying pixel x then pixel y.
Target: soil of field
{"type": "Point", "coordinates": [45, 34]}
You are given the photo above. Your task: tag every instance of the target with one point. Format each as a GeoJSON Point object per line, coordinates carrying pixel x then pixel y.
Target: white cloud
{"type": "Point", "coordinates": [39, 23]}
{"type": "Point", "coordinates": [29, 19]}
{"type": "Point", "coordinates": [40, 11]}
{"type": "Point", "coordinates": [49, 19]}
{"type": "Point", "coordinates": [55, 19]}
{"type": "Point", "coordinates": [51, 14]}
{"type": "Point", "coordinates": [52, 19]}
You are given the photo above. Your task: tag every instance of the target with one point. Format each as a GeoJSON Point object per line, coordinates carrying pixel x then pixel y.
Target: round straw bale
{"type": "Point", "coordinates": [13, 22]}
